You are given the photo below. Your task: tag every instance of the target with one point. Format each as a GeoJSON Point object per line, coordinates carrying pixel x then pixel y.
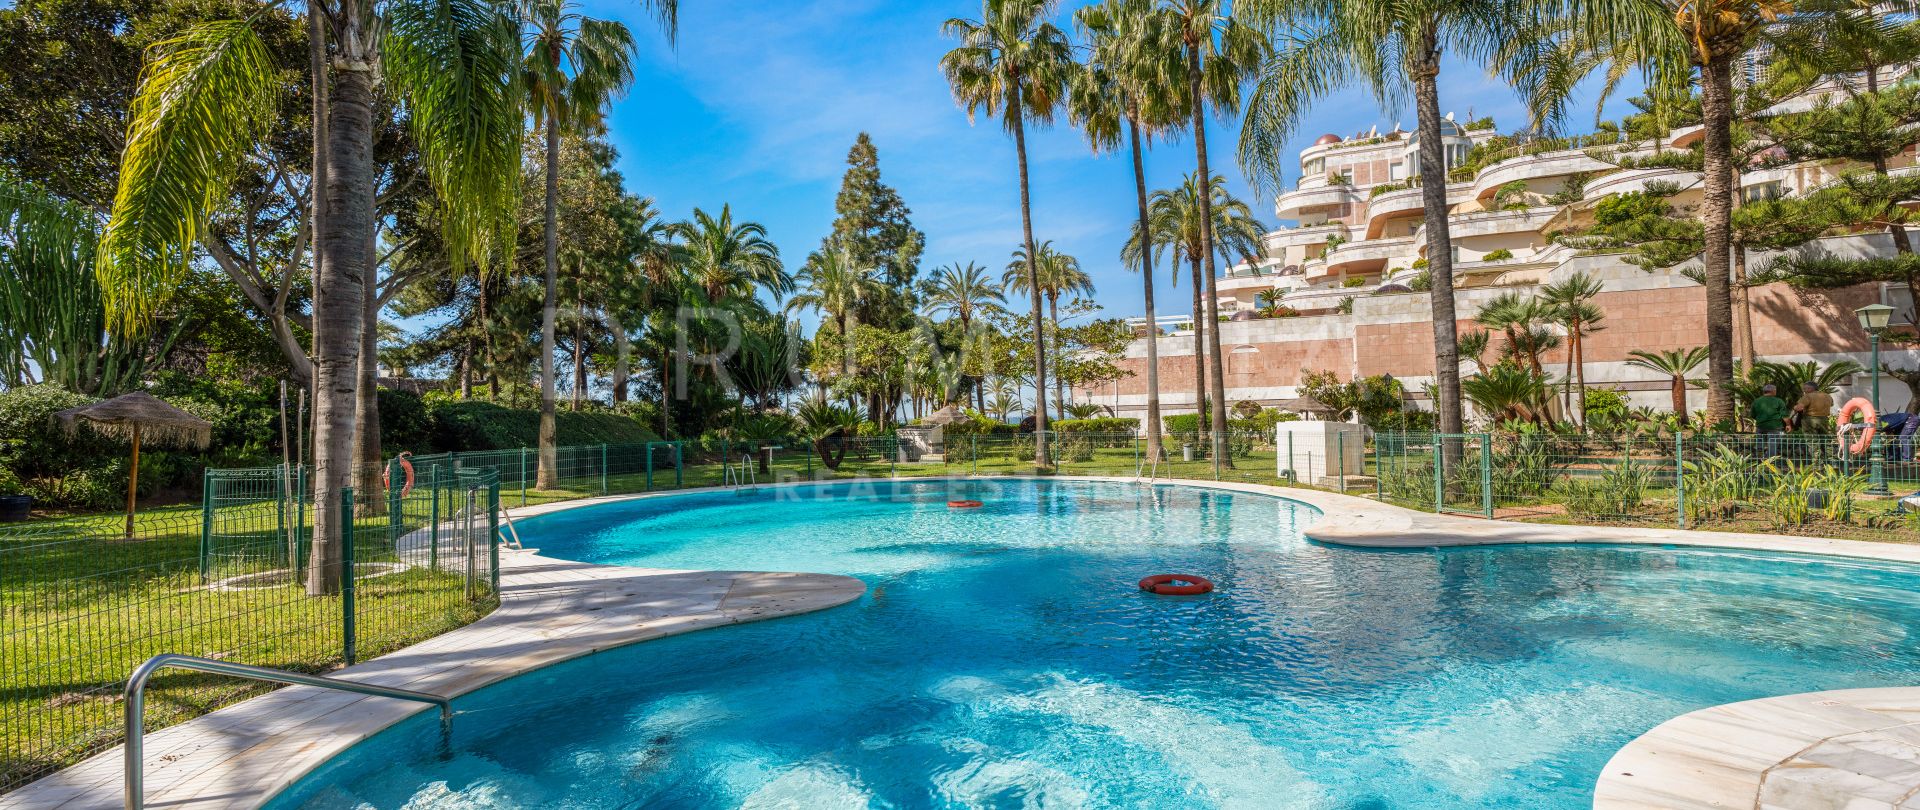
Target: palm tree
{"type": "Point", "coordinates": [1131, 75]}
{"type": "Point", "coordinates": [1059, 274]}
{"type": "Point", "coordinates": [1174, 217]}
{"type": "Point", "coordinates": [834, 286]}
{"type": "Point", "coordinates": [962, 292]}
{"type": "Point", "coordinates": [1220, 54]}
{"type": "Point", "coordinates": [654, 257]}
{"type": "Point", "coordinates": [1573, 309]}
{"type": "Point", "coordinates": [728, 261]}
{"type": "Point", "coordinates": [203, 105]}
{"type": "Point", "coordinates": [1675, 364]}
{"type": "Point", "coordinates": [573, 66]}
{"type": "Point", "coordinates": [1014, 64]}
{"type": "Point", "coordinates": [1390, 47]}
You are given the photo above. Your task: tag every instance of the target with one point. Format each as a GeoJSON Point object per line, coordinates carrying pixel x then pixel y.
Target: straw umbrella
{"type": "Point", "coordinates": [1307, 406]}
{"type": "Point", "coordinates": [139, 416]}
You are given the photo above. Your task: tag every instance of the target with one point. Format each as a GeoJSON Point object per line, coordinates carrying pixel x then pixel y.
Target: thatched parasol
{"type": "Point", "coordinates": [1306, 405]}
{"type": "Point", "coordinates": [134, 417]}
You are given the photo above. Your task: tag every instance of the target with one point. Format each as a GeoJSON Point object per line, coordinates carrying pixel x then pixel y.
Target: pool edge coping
{"type": "Point", "coordinates": [1364, 523]}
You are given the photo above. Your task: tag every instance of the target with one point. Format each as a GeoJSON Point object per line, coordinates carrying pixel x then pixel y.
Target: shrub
{"type": "Point", "coordinates": [405, 423]}
{"type": "Point", "coordinates": [1499, 255]}
{"type": "Point", "coordinates": [56, 468]}
{"type": "Point", "coordinates": [475, 425]}
{"type": "Point", "coordinates": [1112, 431]}
{"type": "Point", "coordinates": [1105, 424]}
{"type": "Point", "coordinates": [1354, 281]}
{"type": "Point", "coordinates": [1181, 423]}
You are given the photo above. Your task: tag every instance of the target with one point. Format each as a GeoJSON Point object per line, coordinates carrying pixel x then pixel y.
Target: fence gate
{"type": "Point", "coordinates": [1463, 473]}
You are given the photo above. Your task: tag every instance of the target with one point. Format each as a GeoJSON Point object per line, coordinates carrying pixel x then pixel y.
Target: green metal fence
{"type": "Point", "coordinates": [1757, 481]}
{"type": "Point", "coordinates": [82, 603]}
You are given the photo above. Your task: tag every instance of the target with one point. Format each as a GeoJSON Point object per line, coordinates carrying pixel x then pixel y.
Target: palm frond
{"type": "Point", "coordinates": [205, 99]}
{"type": "Point", "coordinates": [453, 63]}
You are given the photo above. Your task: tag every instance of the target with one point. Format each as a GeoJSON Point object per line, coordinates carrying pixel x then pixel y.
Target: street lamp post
{"type": "Point", "coordinates": [1874, 319]}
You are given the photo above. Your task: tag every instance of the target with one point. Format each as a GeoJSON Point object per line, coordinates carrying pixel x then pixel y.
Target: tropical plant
{"type": "Point", "coordinates": [1014, 64]}
{"type": "Point", "coordinates": [962, 292]}
{"type": "Point", "coordinates": [728, 260]}
{"type": "Point", "coordinates": [203, 105]}
{"type": "Point", "coordinates": [1570, 306]}
{"type": "Point", "coordinates": [1132, 76]}
{"type": "Point", "coordinates": [1507, 392]}
{"type": "Point", "coordinates": [573, 66]}
{"type": "Point", "coordinates": [1220, 52]}
{"type": "Point", "coordinates": [1174, 225]}
{"type": "Point", "coordinates": [1722, 481]}
{"type": "Point", "coordinates": [1058, 274]}
{"type": "Point", "coordinates": [831, 285]}
{"type": "Point", "coordinates": [52, 321]}
{"type": "Point", "coordinates": [1675, 365]}
{"type": "Point", "coordinates": [831, 429]}
{"type": "Point", "coordinates": [1324, 45]}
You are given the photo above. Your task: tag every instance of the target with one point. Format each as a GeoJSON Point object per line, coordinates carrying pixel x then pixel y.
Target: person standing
{"type": "Point", "coordinates": [1769, 414]}
{"type": "Point", "coordinates": [1813, 419]}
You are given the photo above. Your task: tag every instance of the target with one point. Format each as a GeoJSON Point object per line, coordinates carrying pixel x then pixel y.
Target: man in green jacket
{"type": "Point", "coordinates": [1769, 414]}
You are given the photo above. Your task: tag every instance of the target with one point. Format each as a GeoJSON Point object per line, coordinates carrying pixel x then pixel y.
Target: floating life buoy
{"type": "Point", "coordinates": [964, 504]}
{"type": "Point", "coordinates": [1163, 584]}
{"type": "Point", "coordinates": [1857, 405]}
{"type": "Point", "coordinates": [406, 467]}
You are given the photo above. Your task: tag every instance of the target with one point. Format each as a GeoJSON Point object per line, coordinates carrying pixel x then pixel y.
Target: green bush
{"type": "Point", "coordinates": [475, 425]}
{"type": "Point", "coordinates": [1354, 281]}
{"type": "Point", "coordinates": [405, 422]}
{"type": "Point", "coordinates": [1499, 255]}
{"type": "Point", "coordinates": [1181, 423]}
{"type": "Point", "coordinates": [58, 469]}
{"type": "Point", "coordinates": [1105, 424]}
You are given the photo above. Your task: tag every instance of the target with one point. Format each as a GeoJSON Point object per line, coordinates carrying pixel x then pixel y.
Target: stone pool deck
{"type": "Point", "coordinates": [1857, 749]}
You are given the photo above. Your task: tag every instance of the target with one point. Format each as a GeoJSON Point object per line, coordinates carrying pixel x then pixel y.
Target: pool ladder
{"type": "Point", "coordinates": [136, 709]}
{"type": "Point", "coordinates": [744, 476]}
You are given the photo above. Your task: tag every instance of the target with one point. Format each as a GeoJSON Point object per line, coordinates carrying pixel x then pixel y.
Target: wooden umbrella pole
{"type": "Point", "coordinates": [133, 480]}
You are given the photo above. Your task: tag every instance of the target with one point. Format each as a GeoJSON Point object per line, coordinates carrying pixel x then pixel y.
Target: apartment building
{"type": "Point", "coordinates": [1339, 287]}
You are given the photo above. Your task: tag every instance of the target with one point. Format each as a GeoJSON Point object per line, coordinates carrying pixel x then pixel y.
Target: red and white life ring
{"type": "Point", "coordinates": [386, 475]}
{"type": "Point", "coordinates": [1858, 405]}
{"type": "Point", "coordinates": [1163, 584]}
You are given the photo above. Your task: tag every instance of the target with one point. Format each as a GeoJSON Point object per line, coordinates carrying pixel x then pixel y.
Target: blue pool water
{"type": "Point", "coordinates": [1002, 657]}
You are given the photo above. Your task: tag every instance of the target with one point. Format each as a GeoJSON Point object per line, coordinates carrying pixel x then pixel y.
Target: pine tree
{"type": "Point", "coordinates": [873, 231]}
{"type": "Point", "coordinates": [873, 226]}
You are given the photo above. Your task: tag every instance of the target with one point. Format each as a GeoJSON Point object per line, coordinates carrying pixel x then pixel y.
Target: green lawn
{"type": "Point", "coordinates": [82, 607]}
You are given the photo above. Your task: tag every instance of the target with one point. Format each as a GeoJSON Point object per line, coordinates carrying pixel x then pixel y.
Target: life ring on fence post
{"type": "Point", "coordinates": [1162, 584]}
{"type": "Point", "coordinates": [386, 475]}
{"type": "Point", "coordinates": [1857, 405]}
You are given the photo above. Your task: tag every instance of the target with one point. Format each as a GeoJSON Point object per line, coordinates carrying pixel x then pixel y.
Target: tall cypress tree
{"type": "Point", "coordinates": [874, 228]}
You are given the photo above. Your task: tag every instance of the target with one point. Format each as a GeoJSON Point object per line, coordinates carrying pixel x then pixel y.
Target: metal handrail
{"type": "Point", "coordinates": [136, 703]}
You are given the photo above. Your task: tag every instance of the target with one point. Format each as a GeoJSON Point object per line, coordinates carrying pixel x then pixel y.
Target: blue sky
{"type": "Point", "coordinates": [759, 103]}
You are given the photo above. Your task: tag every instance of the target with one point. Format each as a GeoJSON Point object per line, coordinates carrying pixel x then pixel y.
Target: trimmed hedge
{"type": "Point", "coordinates": [1103, 424]}
{"type": "Point", "coordinates": [475, 425]}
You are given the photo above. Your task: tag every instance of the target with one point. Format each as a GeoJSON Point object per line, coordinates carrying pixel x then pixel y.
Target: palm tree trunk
{"type": "Point", "coordinates": [1199, 347]}
{"type": "Point", "coordinates": [1716, 106]}
{"type": "Point", "coordinates": [622, 356]}
{"type": "Point", "coordinates": [1059, 383]}
{"type": "Point", "coordinates": [1216, 366]}
{"type": "Point", "coordinates": [548, 475]}
{"type": "Point", "coordinates": [366, 403]}
{"type": "Point", "coordinates": [1017, 115]}
{"type": "Point", "coordinates": [579, 367]}
{"type": "Point", "coordinates": [1154, 449]}
{"type": "Point", "coordinates": [1433, 196]}
{"type": "Point", "coordinates": [342, 270]}
{"type": "Point", "coordinates": [1580, 376]}
{"type": "Point", "coordinates": [1679, 391]}
{"type": "Point", "coordinates": [1742, 310]}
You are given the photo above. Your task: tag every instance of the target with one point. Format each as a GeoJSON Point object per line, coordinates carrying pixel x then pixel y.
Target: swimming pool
{"type": "Point", "coordinates": [1003, 657]}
